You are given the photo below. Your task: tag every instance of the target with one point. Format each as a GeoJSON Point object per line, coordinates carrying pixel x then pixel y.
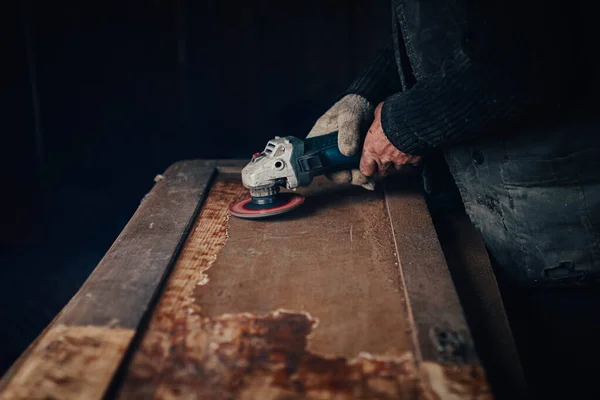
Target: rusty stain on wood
{"type": "Point", "coordinates": [245, 356]}
{"type": "Point", "coordinates": [175, 312]}
{"type": "Point", "coordinates": [266, 357]}
{"type": "Point", "coordinates": [69, 362]}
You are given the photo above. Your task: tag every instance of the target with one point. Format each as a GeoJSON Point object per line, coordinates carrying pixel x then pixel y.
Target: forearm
{"type": "Point", "coordinates": [460, 103]}
{"type": "Point", "coordinates": [379, 80]}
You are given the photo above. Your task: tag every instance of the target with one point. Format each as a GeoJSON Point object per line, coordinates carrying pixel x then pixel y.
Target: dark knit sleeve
{"type": "Point", "coordinates": [453, 105]}
{"type": "Point", "coordinates": [379, 80]}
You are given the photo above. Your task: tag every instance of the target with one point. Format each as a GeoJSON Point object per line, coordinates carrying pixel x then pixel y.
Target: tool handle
{"type": "Point", "coordinates": [322, 155]}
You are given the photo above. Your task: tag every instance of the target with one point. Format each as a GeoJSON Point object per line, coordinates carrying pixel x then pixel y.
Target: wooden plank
{"type": "Point", "coordinates": [309, 305]}
{"type": "Point", "coordinates": [77, 356]}
{"type": "Point", "coordinates": [441, 330]}
{"type": "Point", "coordinates": [442, 336]}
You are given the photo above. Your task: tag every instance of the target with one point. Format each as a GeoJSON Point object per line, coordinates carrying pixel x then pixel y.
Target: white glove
{"type": "Point", "coordinates": [351, 117]}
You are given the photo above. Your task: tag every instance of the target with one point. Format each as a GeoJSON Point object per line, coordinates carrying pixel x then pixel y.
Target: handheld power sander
{"type": "Point", "coordinates": [288, 162]}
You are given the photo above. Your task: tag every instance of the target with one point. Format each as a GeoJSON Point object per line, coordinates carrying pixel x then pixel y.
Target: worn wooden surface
{"type": "Point", "coordinates": [312, 304]}
{"type": "Point", "coordinates": [77, 356]}
{"type": "Point", "coordinates": [348, 296]}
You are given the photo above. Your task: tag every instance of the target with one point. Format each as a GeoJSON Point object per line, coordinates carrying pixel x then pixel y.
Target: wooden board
{"type": "Point", "coordinates": [311, 305]}
{"type": "Point", "coordinates": [348, 296]}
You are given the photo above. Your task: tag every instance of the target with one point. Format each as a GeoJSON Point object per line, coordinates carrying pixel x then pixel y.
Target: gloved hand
{"type": "Point", "coordinates": [351, 117]}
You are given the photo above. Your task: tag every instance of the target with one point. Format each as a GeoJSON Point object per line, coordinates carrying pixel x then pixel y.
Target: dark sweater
{"type": "Point", "coordinates": [460, 69]}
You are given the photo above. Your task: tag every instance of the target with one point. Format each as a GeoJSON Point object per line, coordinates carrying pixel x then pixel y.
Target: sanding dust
{"type": "Point", "coordinates": [159, 178]}
{"type": "Point", "coordinates": [227, 227]}
{"type": "Point", "coordinates": [204, 279]}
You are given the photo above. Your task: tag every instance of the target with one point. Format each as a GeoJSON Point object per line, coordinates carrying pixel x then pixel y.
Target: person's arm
{"type": "Point", "coordinates": [379, 80]}
{"type": "Point", "coordinates": [458, 103]}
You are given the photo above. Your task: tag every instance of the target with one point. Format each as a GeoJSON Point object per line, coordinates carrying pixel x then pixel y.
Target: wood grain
{"type": "Point", "coordinates": [308, 305]}
{"type": "Point", "coordinates": [118, 294]}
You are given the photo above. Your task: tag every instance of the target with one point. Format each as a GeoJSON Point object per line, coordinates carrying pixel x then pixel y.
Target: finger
{"type": "Point", "coordinates": [368, 165]}
{"type": "Point", "coordinates": [327, 123]}
{"type": "Point", "coordinates": [348, 133]}
{"type": "Point", "coordinates": [340, 177]}
{"type": "Point", "coordinates": [358, 178]}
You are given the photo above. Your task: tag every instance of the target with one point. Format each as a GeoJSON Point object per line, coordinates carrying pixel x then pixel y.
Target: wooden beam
{"type": "Point", "coordinates": [78, 354]}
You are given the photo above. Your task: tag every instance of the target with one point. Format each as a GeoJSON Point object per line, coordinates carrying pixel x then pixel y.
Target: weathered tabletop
{"type": "Point", "coordinates": [348, 296]}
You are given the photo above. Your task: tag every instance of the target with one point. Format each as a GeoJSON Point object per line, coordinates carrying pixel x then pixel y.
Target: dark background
{"type": "Point", "coordinates": [99, 97]}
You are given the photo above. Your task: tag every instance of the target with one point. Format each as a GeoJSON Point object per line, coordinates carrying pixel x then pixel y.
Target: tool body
{"type": "Point", "coordinates": [288, 162]}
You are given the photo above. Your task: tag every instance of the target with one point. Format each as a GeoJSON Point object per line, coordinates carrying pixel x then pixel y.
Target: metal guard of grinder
{"type": "Point", "coordinates": [291, 162]}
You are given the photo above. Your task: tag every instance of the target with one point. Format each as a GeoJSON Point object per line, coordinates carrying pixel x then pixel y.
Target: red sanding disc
{"type": "Point", "coordinates": [241, 209]}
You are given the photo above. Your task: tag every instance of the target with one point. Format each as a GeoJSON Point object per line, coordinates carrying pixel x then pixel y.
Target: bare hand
{"type": "Point", "coordinates": [379, 154]}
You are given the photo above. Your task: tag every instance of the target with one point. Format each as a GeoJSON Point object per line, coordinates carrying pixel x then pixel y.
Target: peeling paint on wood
{"type": "Point", "coordinates": [70, 363]}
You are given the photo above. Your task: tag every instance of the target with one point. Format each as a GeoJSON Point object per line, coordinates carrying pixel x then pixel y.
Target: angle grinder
{"type": "Point", "coordinates": [288, 162]}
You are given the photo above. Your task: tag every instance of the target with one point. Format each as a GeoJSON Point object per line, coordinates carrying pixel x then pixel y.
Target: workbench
{"type": "Point", "coordinates": [348, 296]}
